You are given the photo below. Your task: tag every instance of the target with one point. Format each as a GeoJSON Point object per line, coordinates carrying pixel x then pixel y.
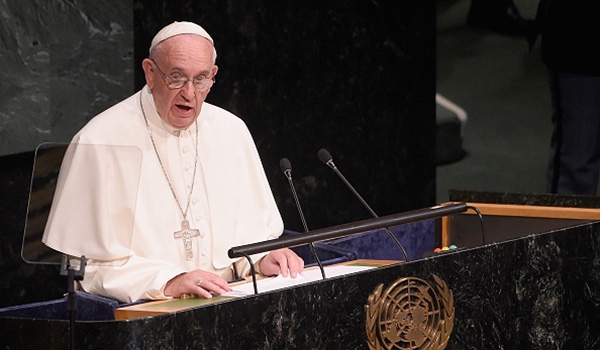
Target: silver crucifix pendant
{"type": "Point", "coordinates": [187, 233]}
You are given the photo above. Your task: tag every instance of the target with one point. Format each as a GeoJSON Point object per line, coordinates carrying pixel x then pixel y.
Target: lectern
{"type": "Point", "coordinates": [539, 290]}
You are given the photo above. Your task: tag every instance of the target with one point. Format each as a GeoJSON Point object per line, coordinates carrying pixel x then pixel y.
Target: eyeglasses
{"type": "Point", "coordinates": [177, 81]}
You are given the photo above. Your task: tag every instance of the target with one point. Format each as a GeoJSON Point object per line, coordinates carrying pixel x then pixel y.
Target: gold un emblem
{"type": "Point", "coordinates": [411, 314]}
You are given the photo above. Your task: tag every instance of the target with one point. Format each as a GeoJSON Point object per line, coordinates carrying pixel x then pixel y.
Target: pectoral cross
{"type": "Point", "coordinates": [187, 233]}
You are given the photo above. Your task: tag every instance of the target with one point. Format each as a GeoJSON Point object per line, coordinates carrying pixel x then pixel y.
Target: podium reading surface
{"type": "Point", "coordinates": [242, 289]}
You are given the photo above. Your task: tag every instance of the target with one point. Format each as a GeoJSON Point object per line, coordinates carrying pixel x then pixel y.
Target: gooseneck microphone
{"type": "Point", "coordinates": [327, 159]}
{"type": "Point", "coordinates": [286, 168]}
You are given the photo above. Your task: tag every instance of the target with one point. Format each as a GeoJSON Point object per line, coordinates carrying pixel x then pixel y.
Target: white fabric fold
{"type": "Point", "coordinates": [232, 203]}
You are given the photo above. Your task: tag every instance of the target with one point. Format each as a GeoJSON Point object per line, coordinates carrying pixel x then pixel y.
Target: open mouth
{"type": "Point", "coordinates": [184, 108]}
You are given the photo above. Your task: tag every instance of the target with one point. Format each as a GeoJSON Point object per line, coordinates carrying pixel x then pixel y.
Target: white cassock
{"type": "Point", "coordinates": [127, 232]}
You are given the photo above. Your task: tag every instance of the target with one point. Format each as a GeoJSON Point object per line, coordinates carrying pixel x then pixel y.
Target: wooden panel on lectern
{"type": "Point", "coordinates": [508, 221]}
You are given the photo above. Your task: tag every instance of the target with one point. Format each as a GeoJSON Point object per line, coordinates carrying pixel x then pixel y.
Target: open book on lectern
{"type": "Point", "coordinates": [65, 216]}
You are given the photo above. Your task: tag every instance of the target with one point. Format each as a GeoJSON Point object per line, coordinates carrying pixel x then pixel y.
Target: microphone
{"type": "Point", "coordinates": [327, 159]}
{"type": "Point", "coordinates": [286, 168]}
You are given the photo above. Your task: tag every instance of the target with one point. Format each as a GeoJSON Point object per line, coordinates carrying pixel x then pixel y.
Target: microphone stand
{"type": "Point", "coordinates": [286, 167]}
{"type": "Point", "coordinates": [328, 160]}
{"type": "Point", "coordinates": [72, 276]}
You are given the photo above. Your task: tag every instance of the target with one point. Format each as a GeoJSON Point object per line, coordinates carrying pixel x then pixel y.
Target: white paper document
{"type": "Point", "coordinates": [278, 282]}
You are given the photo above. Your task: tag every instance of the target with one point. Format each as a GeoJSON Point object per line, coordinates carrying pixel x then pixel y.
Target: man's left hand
{"type": "Point", "coordinates": [281, 262]}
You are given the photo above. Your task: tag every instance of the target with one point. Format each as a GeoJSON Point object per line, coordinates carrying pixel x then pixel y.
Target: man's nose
{"type": "Point", "coordinates": [188, 91]}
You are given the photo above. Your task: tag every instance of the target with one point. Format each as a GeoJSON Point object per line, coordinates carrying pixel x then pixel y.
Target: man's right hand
{"type": "Point", "coordinates": [200, 282]}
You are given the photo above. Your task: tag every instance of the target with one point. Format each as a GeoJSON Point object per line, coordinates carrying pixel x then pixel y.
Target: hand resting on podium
{"type": "Point", "coordinates": [205, 284]}
{"type": "Point", "coordinates": [281, 262]}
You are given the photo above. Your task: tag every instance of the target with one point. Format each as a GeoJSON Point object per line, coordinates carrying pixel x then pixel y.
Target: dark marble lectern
{"type": "Point", "coordinates": [541, 291]}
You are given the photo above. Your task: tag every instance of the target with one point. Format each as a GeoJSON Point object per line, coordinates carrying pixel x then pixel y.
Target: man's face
{"type": "Point", "coordinates": [186, 55]}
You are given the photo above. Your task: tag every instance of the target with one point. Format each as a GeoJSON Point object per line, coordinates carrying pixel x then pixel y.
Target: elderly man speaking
{"type": "Point", "coordinates": [201, 188]}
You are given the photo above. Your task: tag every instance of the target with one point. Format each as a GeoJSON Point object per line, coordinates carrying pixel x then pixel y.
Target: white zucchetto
{"type": "Point", "coordinates": [177, 28]}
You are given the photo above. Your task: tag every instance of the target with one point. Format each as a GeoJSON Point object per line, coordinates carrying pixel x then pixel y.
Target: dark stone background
{"type": "Point", "coordinates": [62, 63]}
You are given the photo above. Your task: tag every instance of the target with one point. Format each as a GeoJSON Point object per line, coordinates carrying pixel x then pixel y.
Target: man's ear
{"type": "Point", "coordinates": [148, 67]}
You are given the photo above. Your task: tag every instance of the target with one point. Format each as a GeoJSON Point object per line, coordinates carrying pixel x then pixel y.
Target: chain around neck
{"type": "Point", "coordinates": [183, 212]}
